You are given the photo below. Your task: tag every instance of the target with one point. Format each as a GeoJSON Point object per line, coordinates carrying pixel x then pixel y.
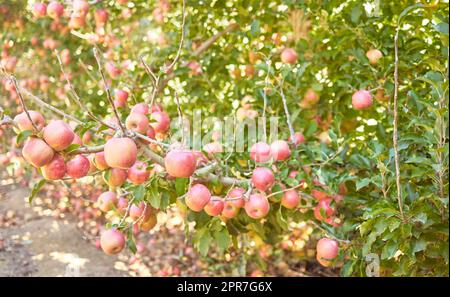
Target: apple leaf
{"type": "Point", "coordinates": [22, 136]}
{"type": "Point", "coordinates": [36, 188]}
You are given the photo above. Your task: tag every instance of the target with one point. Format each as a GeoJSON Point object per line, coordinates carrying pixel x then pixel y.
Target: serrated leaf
{"type": "Point", "coordinates": [222, 238]}
{"type": "Point", "coordinates": [154, 198]}
{"type": "Point", "coordinates": [389, 250]}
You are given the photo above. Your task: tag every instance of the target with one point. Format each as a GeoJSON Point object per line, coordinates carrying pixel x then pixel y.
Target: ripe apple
{"type": "Point", "coordinates": [142, 108]}
{"type": "Point", "coordinates": [361, 99]}
{"type": "Point", "coordinates": [101, 17]}
{"type": "Point", "coordinates": [58, 135]}
{"type": "Point", "coordinates": [55, 10]}
{"type": "Point", "coordinates": [112, 241]}
{"type": "Point", "coordinates": [290, 199]}
{"type": "Point", "coordinates": [122, 96]}
{"type": "Point", "coordinates": [257, 206]}
{"type": "Point", "coordinates": [298, 138]}
{"type": "Point", "coordinates": [161, 121]}
{"type": "Point", "coordinates": [197, 197]}
{"type": "Point", "coordinates": [56, 169]}
{"type": "Point", "coordinates": [138, 173]}
{"type": "Point", "coordinates": [289, 56]}
{"type": "Point", "coordinates": [327, 250]}
{"type": "Point", "coordinates": [180, 163]}
{"type": "Point", "coordinates": [78, 167]}
{"type": "Point", "coordinates": [280, 150]}
{"type": "Point", "coordinates": [112, 70]}
{"type": "Point", "coordinates": [260, 152]}
{"type": "Point", "coordinates": [24, 123]}
{"type": "Point", "coordinates": [36, 152]}
{"type": "Point", "coordinates": [39, 9]}
{"type": "Point", "coordinates": [214, 206]}
{"type": "Point", "coordinates": [263, 178]}
{"type": "Point", "coordinates": [137, 122]}
{"type": "Point", "coordinates": [148, 223]}
{"type": "Point", "coordinates": [319, 195]}
{"type": "Point", "coordinates": [99, 161]}
{"type": "Point", "coordinates": [324, 206]}
{"type": "Point", "coordinates": [374, 55]}
{"type": "Point", "coordinates": [81, 6]}
{"type": "Point", "coordinates": [137, 210]}
{"type": "Point", "coordinates": [117, 177]}
{"type": "Point", "coordinates": [77, 22]}
{"type": "Point", "coordinates": [237, 193]}
{"type": "Point", "coordinates": [106, 201]}
{"type": "Point", "coordinates": [122, 204]}
{"type": "Point", "coordinates": [120, 152]}
{"type": "Point", "coordinates": [230, 210]}
{"type": "Point", "coordinates": [77, 140]}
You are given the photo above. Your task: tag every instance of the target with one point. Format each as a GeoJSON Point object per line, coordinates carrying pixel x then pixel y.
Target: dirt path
{"type": "Point", "coordinates": [35, 245]}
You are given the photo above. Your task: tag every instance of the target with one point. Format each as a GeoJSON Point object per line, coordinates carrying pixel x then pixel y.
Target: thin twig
{"type": "Point", "coordinates": [180, 46]}
{"type": "Point", "coordinates": [24, 107]}
{"type": "Point", "coordinates": [395, 132]}
{"type": "Point", "coordinates": [286, 111]}
{"type": "Point", "coordinates": [76, 97]}
{"type": "Point", "coordinates": [180, 117]}
{"type": "Point", "coordinates": [108, 91]}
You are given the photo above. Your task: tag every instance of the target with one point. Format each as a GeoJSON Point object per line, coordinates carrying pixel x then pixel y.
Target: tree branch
{"type": "Point", "coordinates": [108, 92]}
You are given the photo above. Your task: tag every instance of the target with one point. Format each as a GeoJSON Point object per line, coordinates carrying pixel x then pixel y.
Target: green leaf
{"type": "Point", "coordinates": [204, 243]}
{"type": "Point", "coordinates": [389, 250]}
{"type": "Point", "coordinates": [138, 193]}
{"type": "Point", "coordinates": [72, 147]}
{"type": "Point", "coordinates": [22, 136]}
{"type": "Point", "coordinates": [442, 28]}
{"type": "Point", "coordinates": [180, 185]}
{"type": "Point", "coordinates": [255, 27]}
{"type": "Point", "coordinates": [356, 13]}
{"type": "Point", "coordinates": [362, 183]}
{"type": "Point", "coordinates": [222, 238]}
{"type": "Point", "coordinates": [36, 188]}
{"type": "Point", "coordinates": [154, 198]}
{"type": "Point", "coordinates": [131, 245]}
{"type": "Point", "coordinates": [419, 245]}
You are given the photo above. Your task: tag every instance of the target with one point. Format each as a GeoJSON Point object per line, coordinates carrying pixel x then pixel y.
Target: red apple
{"type": "Point", "coordinates": [324, 206]}
{"type": "Point", "coordinates": [298, 138]}
{"type": "Point", "coordinates": [81, 6]}
{"type": "Point", "coordinates": [78, 167]}
{"type": "Point", "coordinates": [101, 17]}
{"type": "Point", "coordinates": [137, 122]}
{"type": "Point", "coordinates": [148, 222]}
{"type": "Point", "coordinates": [263, 178]}
{"type": "Point", "coordinates": [236, 193]}
{"type": "Point", "coordinates": [260, 152]}
{"type": "Point", "coordinates": [99, 161]}
{"type": "Point", "coordinates": [374, 55]}
{"type": "Point", "coordinates": [56, 169]}
{"type": "Point", "coordinates": [327, 250]}
{"type": "Point", "coordinates": [112, 241]}
{"type": "Point", "coordinates": [39, 9]}
{"type": "Point", "coordinates": [120, 152]}
{"type": "Point", "coordinates": [122, 96]}
{"type": "Point", "coordinates": [117, 177]}
{"type": "Point", "coordinates": [230, 210]}
{"type": "Point", "coordinates": [138, 173]}
{"type": "Point", "coordinates": [106, 201]}
{"type": "Point", "coordinates": [214, 206]}
{"type": "Point", "coordinates": [280, 150]}
{"type": "Point", "coordinates": [289, 56]}
{"type": "Point", "coordinates": [58, 135]}
{"type": "Point", "coordinates": [24, 123]}
{"type": "Point", "coordinates": [160, 121]}
{"type": "Point", "coordinates": [361, 99]}
{"type": "Point", "coordinates": [197, 197]}
{"type": "Point", "coordinates": [55, 10]}
{"type": "Point", "coordinates": [142, 108]}
{"type": "Point", "coordinates": [36, 152]}
{"type": "Point", "coordinates": [290, 199]}
{"type": "Point", "coordinates": [180, 163]}
{"type": "Point", "coordinates": [257, 206]}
